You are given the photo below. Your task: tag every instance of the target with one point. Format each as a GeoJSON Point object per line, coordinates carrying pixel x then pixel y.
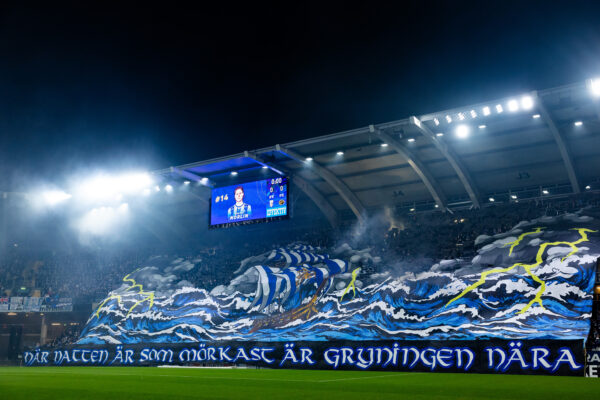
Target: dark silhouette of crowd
{"type": "Point", "coordinates": [403, 237]}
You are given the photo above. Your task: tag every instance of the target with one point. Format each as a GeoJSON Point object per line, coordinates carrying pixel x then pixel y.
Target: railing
{"type": "Point", "coordinates": [35, 304]}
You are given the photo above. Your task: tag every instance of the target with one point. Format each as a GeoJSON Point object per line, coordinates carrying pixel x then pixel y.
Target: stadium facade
{"type": "Point", "coordinates": [524, 302]}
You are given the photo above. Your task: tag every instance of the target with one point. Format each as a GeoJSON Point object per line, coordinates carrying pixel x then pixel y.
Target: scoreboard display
{"type": "Point", "coordinates": [257, 201]}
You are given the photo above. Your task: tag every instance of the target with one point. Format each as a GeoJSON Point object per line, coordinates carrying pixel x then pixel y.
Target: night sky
{"type": "Point", "coordinates": [114, 86]}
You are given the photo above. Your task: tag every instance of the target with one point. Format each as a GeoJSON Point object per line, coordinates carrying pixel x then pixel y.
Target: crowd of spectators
{"type": "Point", "coordinates": [89, 276]}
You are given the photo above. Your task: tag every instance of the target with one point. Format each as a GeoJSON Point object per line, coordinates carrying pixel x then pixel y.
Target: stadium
{"type": "Point", "coordinates": [449, 254]}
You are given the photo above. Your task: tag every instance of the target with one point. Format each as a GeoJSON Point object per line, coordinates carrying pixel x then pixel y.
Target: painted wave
{"type": "Point", "coordinates": [409, 306]}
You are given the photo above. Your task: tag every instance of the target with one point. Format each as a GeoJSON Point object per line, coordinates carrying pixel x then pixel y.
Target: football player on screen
{"type": "Point", "coordinates": [239, 210]}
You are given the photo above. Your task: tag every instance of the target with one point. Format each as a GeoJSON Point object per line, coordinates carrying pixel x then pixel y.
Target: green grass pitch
{"type": "Point", "coordinates": [64, 383]}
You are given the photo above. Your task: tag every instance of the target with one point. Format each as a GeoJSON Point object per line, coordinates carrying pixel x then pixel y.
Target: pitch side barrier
{"type": "Point", "coordinates": [536, 357]}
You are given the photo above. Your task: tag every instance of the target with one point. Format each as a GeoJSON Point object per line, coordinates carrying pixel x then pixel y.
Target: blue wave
{"type": "Point", "coordinates": [401, 307]}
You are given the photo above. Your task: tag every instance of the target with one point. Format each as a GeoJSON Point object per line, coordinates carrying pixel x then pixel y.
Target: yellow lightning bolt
{"type": "Point", "coordinates": [527, 267]}
{"type": "Point", "coordinates": [520, 238]}
{"type": "Point", "coordinates": [148, 296]}
{"type": "Point", "coordinates": [351, 285]}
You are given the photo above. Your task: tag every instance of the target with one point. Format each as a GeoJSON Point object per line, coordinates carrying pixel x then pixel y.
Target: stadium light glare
{"type": "Point", "coordinates": [53, 197]}
{"type": "Point", "coordinates": [594, 86]}
{"type": "Point", "coordinates": [309, 159]}
{"type": "Point", "coordinates": [157, 188]}
{"type": "Point", "coordinates": [264, 167]}
{"type": "Point", "coordinates": [204, 180]}
{"type": "Point", "coordinates": [536, 116]}
{"type": "Point", "coordinates": [491, 199]}
{"type": "Point", "coordinates": [545, 191]}
{"type": "Point", "coordinates": [588, 187]}
{"type": "Point", "coordinates": [486, 111]}
{"type": "Point", "coordinates": [340, 153]}
{"type": "Point", "coordinates": [384, 145]}
{"type": "Point", "coordinates": [124, 207]}
{"type": "Point", "coordinates": [439, 134]}
{"type": "Point", "coordinates": [499, 108]}
{"type": "Point", "coordinates": [578, 123]}
{"type": "Point", "coordinates": [146, 192]}
{"type": "Point", "coordinates": [411, 139]}
{"type": "Point", "coordinates": [437, 205]}
{"type": "Point", "coordinates": [448, 119]}
{"type": "Point", "coordinates": [513, 196]}
{"type": "Point", "coordinates": [110, 187]}
{"type": "Point", "coordinates": [473, 114]}
{"type": "Point", "coordinates": [461, 116]}
{"type": "Point", "coordinates": [186, 183]}
{"type": "Point", "coordinates": [462, 131]}
{"type": "Point", "coordinates": [436, 121]}
{"type": "Point", "coordinates": [527, 102]}
{"type": "Point", "coordinates": [168, 188]}
{"type": "Point", "coordinates": [513, 105]}
{"type": "Point", "coordinates": [482, 126]}
{"type": "Point", "coordinates": [234, 173]}
{"type": "Point", "coordinates": [412, 210]}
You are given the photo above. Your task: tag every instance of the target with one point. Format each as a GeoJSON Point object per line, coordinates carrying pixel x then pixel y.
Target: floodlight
{"type": "Point", "coordinates": [186, 182]}
{"type": "Point", "coordinates": [545, 191]}
{"type": "Point", "coordinates": [204, 180]}
{"type": "Point", "coordinates": [448, 119]}
{"type": "Point", "coordinates": [384, 145]}
{"type": "Point", "coordinates": [578, 123]}
{"type": "Point", "coordinates": [412, 209]}
{"type": "Point", "coordinates": [157, 188]}
{"type": "Point", "coordinates": [340, 153]}
{"type": "Point", "coordinates": [437, 205]}
{"type": "Point", "coordinates": [536, 116]}
{"type": "Point", "coordinates": [486, 111]}
{"type": "Point", "coordinates": [234, 173]}
{"type": "Point", "coordinates": [462, 131]}
{"type": "Point", "coordinates": [146, 192]}
{"type": "Point", "coordinates": [513, 196]}
{"type": "Point", "coordinates": [264, 167]}
{"type": "Point", "coordinates": [473, 114]}
{"type": "Point", "coordinates": [411, 139]}
{"type": "Point", "coordinates": [527, 102]}
{"type": "Point", "coordinates": [309, 158]}
{"type": "Point", "coordinates": [588, 187]}
{"type": "Point", "coordinates": [513, 105]}
{"type": "Point", "coordinates": [492, 199]}
{"type": "Point", "coordinates": [499, 108]}
{"type": "Point", "coordinates": [482, 126]}
{"type": "Point", "coordinates": [461, 116]}
{"type": "Point", "coordinates": [53, 197]}
{"type": "Point", "coordinates": [594, 86]}
{"type": "Point", "coordinates": [436, 121]}
{"type": "Point", "coordinates": [439, 134]}
{"type": "Point", "coordinates": [123, 207]}
{"type": "Point", "coordinates": [169, 188]}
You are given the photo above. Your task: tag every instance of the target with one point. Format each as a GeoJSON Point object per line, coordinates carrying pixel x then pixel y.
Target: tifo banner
{"type": "Point", "coordinates": [560, 357]}
{"type": "Point", "coordinates": [592, 369]}
{"type": "Point", "coordinates": [35, 304]}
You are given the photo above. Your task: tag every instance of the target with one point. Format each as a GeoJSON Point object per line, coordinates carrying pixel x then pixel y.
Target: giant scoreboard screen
{"type": "Point", "coordinates": [252, 201]}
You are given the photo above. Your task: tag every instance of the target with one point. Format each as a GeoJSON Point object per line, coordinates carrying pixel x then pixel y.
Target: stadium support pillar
{"type": "Point", "coordinates": [3, 222]}
{"type": "Point", "coordinates": [560, 142]}
{"type": "Point", "coordinates": [43, 331]}
{"type": "Point", "coordinates": [336, 183]}
{"type": "Point", "coordinates": [460, 170]}
{"type": "Point", "coordinates": [320, 201]}
{"type": "Point", "coordinates": [430, 182]}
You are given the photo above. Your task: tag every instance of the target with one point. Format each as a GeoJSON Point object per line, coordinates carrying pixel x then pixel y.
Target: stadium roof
{"type": "Point", "coordinates": [532, 145]}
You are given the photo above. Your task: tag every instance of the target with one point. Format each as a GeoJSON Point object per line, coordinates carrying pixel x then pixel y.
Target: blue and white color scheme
{"type": "Point", "coordinates": [252, 201]}
{"type": "Point", "coordinates": [534, 281]}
